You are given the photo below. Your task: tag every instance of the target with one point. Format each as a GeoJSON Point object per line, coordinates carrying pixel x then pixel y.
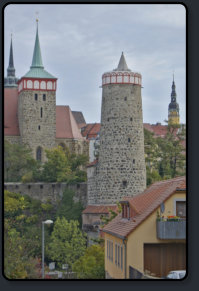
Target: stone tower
{"type": "Point", "coordinates": [37, 106]}
{"type": "Point", "coordinates": [173, 111]}
{"type": "Point", "coordinates": [10, 81]}
{"type": "Point", "coordinates": [121, 167]}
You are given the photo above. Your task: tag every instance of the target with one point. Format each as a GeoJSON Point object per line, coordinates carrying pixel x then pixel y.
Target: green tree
{"type": "Point", "coordinates": [91, 265]}
{"type": "Point", "coordinates": [17, 162]}
{"type": "Point", "coordinates": [67, 242]}
{"type": "Point", "coordinates": [68, 208]}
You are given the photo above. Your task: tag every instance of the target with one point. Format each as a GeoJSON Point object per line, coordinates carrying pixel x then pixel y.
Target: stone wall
{"type": "Point", "coordinates": [13, 139]}
{"type": "Point", "coordinates": [37, 119]}
{"type": "Point", "coordinates": [49, 191]}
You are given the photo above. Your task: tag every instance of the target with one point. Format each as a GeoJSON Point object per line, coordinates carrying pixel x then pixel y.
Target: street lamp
{"type": "Point", "coordinates": [43, 223]}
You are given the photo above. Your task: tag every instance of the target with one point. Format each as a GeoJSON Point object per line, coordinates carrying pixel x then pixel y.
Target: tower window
{"type": "Point", "coordinates": [36, 97]}
{"type": "Point", "coordinates": [125, 98]}
{"type": "Point", "coordinates": [131, 119]}
{"type": "Point", "coordinates": [108, 119]}
{"type": "Point", "coordinates": [124, 183]}
{"type": "Point", "coordinates": [39, 127]}
{"type": "Point", "coordinates": [133, 161]}
{"type": "Point", "coordinates": [44, 97]}
{"type": "Point", "coordinates": [38, 154]}
{"type": "Point", "coordinates": [41, 112]}
{"type": "Point", "coordinates": [129, 140]}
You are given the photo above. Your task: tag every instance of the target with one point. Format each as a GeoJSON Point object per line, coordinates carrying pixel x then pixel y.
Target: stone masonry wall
{"type": "Point", "coordinates": [49, 191]}
{"type": "Point", "coordinates": [37, 119]}
{"type": "Point", "coordinates": [13, 139]}
{"type": "Point", "coordinates": [121, 167]}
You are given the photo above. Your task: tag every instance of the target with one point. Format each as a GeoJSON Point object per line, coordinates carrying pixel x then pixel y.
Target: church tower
{"type": "Point", "coordinates": [173, 111]}
{"type": "Point", "coordinates": [121, 167]}
{"type": "Point", "coordinates": [10, 81]}
{"type": "Point", "coordinates": [37, 106]}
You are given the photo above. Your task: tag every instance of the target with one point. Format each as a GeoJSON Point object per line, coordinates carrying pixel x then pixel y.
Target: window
{"type": "Point", "coordinates": [118, 254]}
{"type": "Point", "coordinates": [125, 98]}
{"type": "Point", "coordinates": [36, 97]}
{"type": "Point", "coordinates": [129, 140]}
{"type": "Point", "coordinates": [41, 186]}
{"type": "Point", "coordinates": [181, 209]}
{"type": "Point", "coordinates": [41, 112]}
{"type": "Point", "coordinates": [38, 154]}
{"type": "Point", "coordinates": [133, 161]}
{"type": "Point", "coordinates": [115, 254]}
{"type": "Point", "coordinates": [121, 258]}
{"type": "Point", "coordinates": [39, 127]}
{"type": "Point", "coordinates": [131, 119]}
{"type": "Point", "coordinates": [124, 183]}
{"type": "Point", "coordinates": [44, 97]}
{"type": "Point", "coordinates": [109, 253]}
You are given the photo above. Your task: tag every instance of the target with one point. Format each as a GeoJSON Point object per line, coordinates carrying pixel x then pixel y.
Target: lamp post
{"type": "Point", "coordinates": [43, 223]}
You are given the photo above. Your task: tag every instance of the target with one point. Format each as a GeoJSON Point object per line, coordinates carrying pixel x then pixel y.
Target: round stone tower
{"type": "Point", "coordinates": [121, 167]}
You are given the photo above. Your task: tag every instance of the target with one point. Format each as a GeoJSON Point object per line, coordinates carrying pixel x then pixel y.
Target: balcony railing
{"type": "Point", "coordinates": [169, 229]}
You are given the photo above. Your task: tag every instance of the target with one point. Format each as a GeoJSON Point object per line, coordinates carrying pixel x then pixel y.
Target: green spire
{"type": "Point", "coordinates": [37, 60]}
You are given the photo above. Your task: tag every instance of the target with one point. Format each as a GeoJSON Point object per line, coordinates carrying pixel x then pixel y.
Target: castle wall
{"type": "Point", "coordinates": [49, 191]}
{"type": "Point", "coordinates": [13, 139]}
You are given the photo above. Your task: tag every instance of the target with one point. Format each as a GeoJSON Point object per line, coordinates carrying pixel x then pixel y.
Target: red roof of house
{"type": "Point", "coordinates": [91, 130]}
{"type": "Point", "coordinates": [144, 204]}
{"type": "Point", "coordinates": [99, 209]}
{"type": "Point", "coordinates": [92, 163]}
{"type": "Point", "coordinates": [11, 126]}
{"type": "Point", "coordinates": [66, 126]}
{"type": "Point", "coordinates": [157, 129]}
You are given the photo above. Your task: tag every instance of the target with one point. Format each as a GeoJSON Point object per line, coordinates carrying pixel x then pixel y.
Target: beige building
{"type": "Point", "coordinates": [148, 239]}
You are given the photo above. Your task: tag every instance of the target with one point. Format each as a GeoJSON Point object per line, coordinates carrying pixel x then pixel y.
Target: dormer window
{"type": "Point", "coordinates": [125, 210]}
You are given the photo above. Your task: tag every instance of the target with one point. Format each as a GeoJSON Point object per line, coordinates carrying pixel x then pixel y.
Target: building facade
{"type": "Point", "coordinates": [148, 238]}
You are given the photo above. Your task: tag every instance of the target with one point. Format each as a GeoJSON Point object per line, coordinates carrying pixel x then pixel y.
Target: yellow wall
{"type": "Point", "coordinates": [174, 118]}
{"type": "Point", "coordinates": [144, 233]}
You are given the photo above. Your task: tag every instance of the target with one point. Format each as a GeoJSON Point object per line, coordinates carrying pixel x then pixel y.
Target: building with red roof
{"type": "Point", "coordinates": [148, 238]}
{"type": "Point", "coordinates": [31, 116]}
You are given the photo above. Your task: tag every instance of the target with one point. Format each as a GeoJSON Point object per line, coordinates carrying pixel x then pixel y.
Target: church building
{"type": "Point", "coordinates": [31, 116]}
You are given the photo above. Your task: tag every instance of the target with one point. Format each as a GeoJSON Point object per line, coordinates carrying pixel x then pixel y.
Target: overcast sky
{"type": "Point", "coordinates": [81, 42]}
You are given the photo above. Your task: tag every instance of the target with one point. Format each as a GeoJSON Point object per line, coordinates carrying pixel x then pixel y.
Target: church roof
{"type": "Point", "coordinates": [10, 81]}
{"type": "Point", "coordinates": [11, 126]}
{"type": "Point", "coordinates": [79, 117]}
{"type": "Point", "coordinates": [66, 126]}
{"type": "Point", "coordinates": [37, 68]}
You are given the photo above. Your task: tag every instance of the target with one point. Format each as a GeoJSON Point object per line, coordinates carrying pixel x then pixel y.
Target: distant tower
{"type": "Point", "coordinates": [10, 81]}
{"type": "Point", "coordinates": [121, 167]}
{"type": "Point", "coordinates": [37, 106]}
{"type": "Point", "coordinates": [173, 112]}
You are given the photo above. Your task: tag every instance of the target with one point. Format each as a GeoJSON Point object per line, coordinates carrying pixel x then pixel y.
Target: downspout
{"type": "Point", "coordinates": [124, 243]}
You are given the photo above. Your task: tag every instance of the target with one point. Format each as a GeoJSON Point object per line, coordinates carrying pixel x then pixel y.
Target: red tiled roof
{"type": "Point", "coordinates": [99, 209]}
{"type": "Point", "coordinates": [144, 204]}
{"type": "Point", "coordinates": [79, 117]}
{"type": "Point", "coordinates": [11, 126]}
{"type": "Point", "coordinates": [66, 126]}
{"type": "Point", "coordinates": [92, 163]}
{"type": "Point", "coordinates": [91, 130]}
{"type": "Point", "coordinates": [157, 129]}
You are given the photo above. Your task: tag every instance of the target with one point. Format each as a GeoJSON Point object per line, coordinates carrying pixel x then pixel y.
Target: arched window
{"type": "Point", "coordinates": [38, 154]}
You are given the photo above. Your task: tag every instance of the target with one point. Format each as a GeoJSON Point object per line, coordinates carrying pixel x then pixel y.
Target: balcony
{"type": "Point", "coordinates": [171, 229]}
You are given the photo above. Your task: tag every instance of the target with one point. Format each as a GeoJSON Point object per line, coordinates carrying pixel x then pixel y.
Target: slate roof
{"type": "Point", "coordinates": [11, 125]}
{"type": "Point", "coordinates": [79, 117]}
{"type": "Point", "coordinates": [144, 204]}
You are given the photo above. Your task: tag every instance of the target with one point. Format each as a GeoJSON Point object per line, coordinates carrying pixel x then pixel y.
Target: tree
{"type": "Point", "coordinates": [91, 265]}
{"type": "Point", "coordinates": [17, 162]}
{"type": "Point", "coordinates": [68, 208]}
{"type": "Point", "coordinates": [67, 242]}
